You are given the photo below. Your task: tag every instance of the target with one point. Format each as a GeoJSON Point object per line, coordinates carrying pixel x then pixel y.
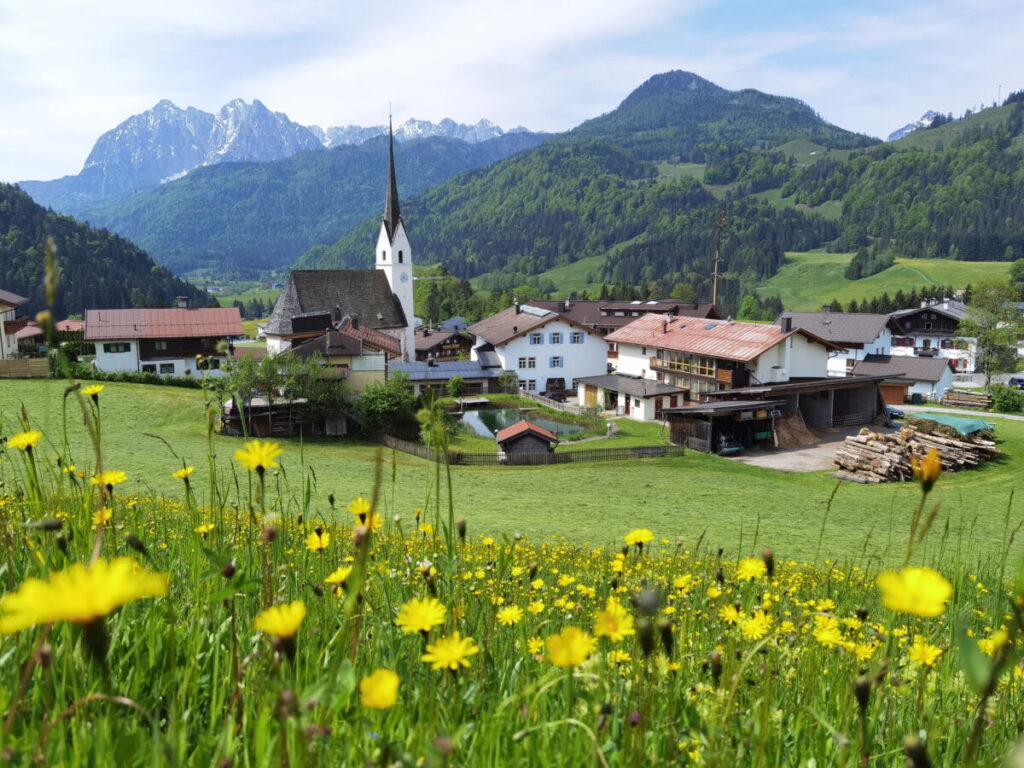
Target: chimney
{"type": "Point", "coordinates": [181, 302]}
{"type": "Point", "coordinates": [431, 362]}
{"type": "Point", "coordinates": [518, 309]}
{"type": "Point", "coordinates": [826, 308]}
{"type": "Point", "coordinates": [786, 324]}
{"type": "Point", "coordinates": [355, 321]}
{"type": "Point", "coordinates": [336, 317]}
{"type": "Point", "coordinates": [426, 332]}
{"type": "Point", "coordinates": [515, 329]}
{"type": "Point", "coordinates": [664, 326]}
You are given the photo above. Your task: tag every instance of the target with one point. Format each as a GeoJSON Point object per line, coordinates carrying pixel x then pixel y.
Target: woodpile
{"type": "Point", "coordinates": [959, 398]}
{"type": "Point", "coordinates": [871, 457]}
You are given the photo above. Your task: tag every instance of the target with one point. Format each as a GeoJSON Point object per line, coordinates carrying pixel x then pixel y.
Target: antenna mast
{"type": "Point", "coordinates": [719, 226]}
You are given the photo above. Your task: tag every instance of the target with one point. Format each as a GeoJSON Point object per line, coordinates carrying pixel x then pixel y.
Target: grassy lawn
{"type": "Point", "coordinates": [738, 507]}
{"type": "Point", "coordinates": [809, 280]}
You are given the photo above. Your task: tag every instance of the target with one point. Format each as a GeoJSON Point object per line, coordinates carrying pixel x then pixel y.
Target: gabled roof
{"type": "Point", "coordinates": [522, 427]}
{"type": "Point", "coordinates": [913, 368]}
{"type": "Point", "coordinates": [11, 299]}
{"type": "Point", "coordinates": [428, 338]}
{"type": "Point", "coordinates": [362, 293]}
{"type": "Point", "coordinates": [115, 324]}
{"type": "Point", "coordinates": [634, 386]}
{"type": "Point", "coordinates": [330, 344]}
{"type": "Point", "coordinates": [456, 323]}
{"type": "Point", "coordinates": [723, 339]}
{"type": "Point", "coordinates": [370, 337]}
{"type": "Point", "coordinates": [592, 312]}
{"type": "Point", "coordinates": [70, 326]}
{"type": "Point", "coordinates": [442, 371]}
{"type": "Point", "coordinates": [843, 327]}
{"type": "Point", "coordinates": [952, 308]}
{"type": "Point", "coordinates": [517, 321]}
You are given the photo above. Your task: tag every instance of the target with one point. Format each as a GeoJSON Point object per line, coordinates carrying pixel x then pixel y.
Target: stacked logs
{"type": "Point", "coordinates": [959, 398]}
{"type": "Point", "coordinates": [871, 457]}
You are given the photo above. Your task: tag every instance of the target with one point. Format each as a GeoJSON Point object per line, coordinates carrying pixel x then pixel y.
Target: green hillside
{"type": "Point", "coordinates": [808, 280]}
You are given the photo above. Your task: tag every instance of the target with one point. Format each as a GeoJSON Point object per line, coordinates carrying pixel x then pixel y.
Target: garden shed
{"type": "Point", "coordinates": [524, 437]}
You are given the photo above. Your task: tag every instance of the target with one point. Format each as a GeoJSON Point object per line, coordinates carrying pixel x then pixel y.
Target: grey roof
{"type": "Point", "coordinates": [362, 293]}
{"type": "Point", "coordinates": [427, 338]}
{"type": "Point", "coordinates": [913, 368]}
{"type": "Point", "coordinates": [952, 308]}
{"type": "Point", "coordinates": [726, 406]}
{"type": "Point", "coordinates": [488, 358]}
{"type": "Point", "coordinates": [12, 299]}
{"type": "Point", "coordinates": [453, 324]}
{"type": "Point", "coordinates": [392, 212]}
{"type": "Point", "coordinates": [467, 369]}
{"type": "Point", "coordinates": [591, 312]}
{"type": "Point", "coordinates": [634, 386]}
{"type": "Point", "coordinates": [842, 327]}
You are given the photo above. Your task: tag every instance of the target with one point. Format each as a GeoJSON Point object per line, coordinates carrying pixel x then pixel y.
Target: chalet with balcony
{"type": "Point", "coordinates": [858, 335]}
{"type": "Point", "coordinates": [441, 346]}
{"type": "Point", "coordinates": [10, 323]}
{"type": "Point", "coordinates": [167, 342]}
{"type": "Point", "coordinates": [930, 331]}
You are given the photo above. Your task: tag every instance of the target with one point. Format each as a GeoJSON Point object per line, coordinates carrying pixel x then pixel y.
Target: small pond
{"type": "Point", "coordinates": [487, 421]}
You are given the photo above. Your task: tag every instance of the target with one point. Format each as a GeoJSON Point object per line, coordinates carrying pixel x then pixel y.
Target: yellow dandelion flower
{"type": "Point", "coordinates": [614, 622]}
{"type": "Point", "coordinates": [25, 441]}
{"type": "Point", "coordinates": [927, 470]}
{"type": "Point", "coordinates": [619, 657]}
{"type": "Point", "coordinates": [93, 390]}
{"type": "Point", "coordinates": [359, 507]}
{"type": "Point", "coordinates": [426, 529]}
{"type": "Point", "coordinates": [535, 606]}
{"type": "Point", "coordinates": [750, 568]}
{"type": "Point", "coordinates": [638, 537]}
{"type": "Point", "coordinates": [379, 690]}
{"type": "Point", "coordinates": [340, 575]}
{"type": "Point", "coordinates": [205, 528]}
{"type": "Point", "coordinates": [730, 614]}
{"type": "Point", "coordinates": [923, 652]}
{"type": "Point", "coordinates": [510, 616]}
{"type": "Point", "coordinates": [570, 647]}
{"type": "Point", "coordinates": [183, 473]}
{"type": "Point", "coordinates": [450, 652]}
{"type": "Point", "coordinates": [994, 642]}
{"type": "Point", "coordinates": [913, 590]}
{"type": "Point", "coordinates": [109, 478]}
{"type": "Point", "coordinates": [258, 456]}
{"type": "Point", "coordinates": [756, 626]}
{"type": "Point", "coordinates": [80, 594]}
{"type": "Point", "coordinates": [421, 615]}
{"type": "Point", "coordinates": [101, 517]}
{"type": "Point", "coordinates": [282, 620]}
{"type": "Point", "coordinates": [535, 645]}
{"type": "Point", "coordinates": [318, 540]}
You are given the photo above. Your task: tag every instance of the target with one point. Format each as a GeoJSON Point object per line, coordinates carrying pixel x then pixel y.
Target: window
{"type": "Point", "coordinates": [536, 338]}
{"type": "Point", "coordinates": [149, 368]}
{"type": "Point", "coordinates": [556, 338]}
{"type": "Point", "coordinates": [160, 345]}
{"type": "Point", "coordinates": [213, 363]}
{"type": "Point", "coordinates": [527, 362]}
{"type": "Point", "coordinates": [399, 257]}
{"type": "Point", "coordinates": [117, 346]}
{"type": "Point", "coordinates": [927, 326]}
{"type": "Point", "coordinates": [576, 337]}
{"type": "Point", "coordinates": [556, 362]}
{"type": "Point", "coordinates": [166, 367]}
{"type": "Point", "coordinates": [383, 255]}
{"type": "Point", "coordinates": [531, 385]}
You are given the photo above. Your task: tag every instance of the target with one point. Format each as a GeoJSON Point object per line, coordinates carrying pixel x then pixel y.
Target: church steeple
{"type": "Point", "coordinates": [392, 212]}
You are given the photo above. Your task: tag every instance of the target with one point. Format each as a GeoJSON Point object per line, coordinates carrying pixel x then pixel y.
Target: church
{"type": "Point", "coordinates": [315, 301]}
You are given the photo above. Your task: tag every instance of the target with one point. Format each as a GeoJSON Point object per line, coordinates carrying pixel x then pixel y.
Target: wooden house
{"type": "Point", "coordinates": [524, 437]}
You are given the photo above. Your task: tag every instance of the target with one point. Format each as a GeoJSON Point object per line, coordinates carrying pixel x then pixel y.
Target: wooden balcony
{"type": "Point", "coordinates": [613, 354]}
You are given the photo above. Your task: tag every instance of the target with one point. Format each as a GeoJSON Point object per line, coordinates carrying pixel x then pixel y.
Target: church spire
{"type": "Point", "coordinates": [392, 213]}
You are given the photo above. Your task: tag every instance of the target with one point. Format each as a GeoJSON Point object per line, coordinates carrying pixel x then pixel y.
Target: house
{"type": "Point", "coordinates": [523, 437]}
{"type": "Point", "coordinates": [638, 398]}
{"type": "Point", "coordinates": [380, 298]}
{"type": "Point", "coordinates": [431, 378]}
{"type": "Point", "coordinates": [545, 349]}
{"type": "Point", "coordinates": [358, 355]}
{"type": "Point", "coordinates": [168, 342]}
{"type": "Point", "coordinates": [10, 323]}
{"type": "Point", "coordinates": [858, 335]}
{"type": "Point", "coordinates": [453, 324]}
{"type": "Point", "coordinates": [929, 377]}
{"type": "Point", "coordinates": [930, 331]}
{"type": "Point", "coordinates": [606, 316]}
{"type": "Point", "coordinates": [439, 345]}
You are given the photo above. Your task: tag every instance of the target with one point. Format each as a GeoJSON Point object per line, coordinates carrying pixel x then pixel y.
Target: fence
{"type": "Point", "coordinates": [533, 459]}
{"type": "Point", "coordinates": [547, 402]}
{"type": "Point", "coordinates": [26, 368]}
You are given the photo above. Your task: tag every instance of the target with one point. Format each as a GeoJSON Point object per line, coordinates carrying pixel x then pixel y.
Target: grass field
{"type": "Point", "coordinates": [732, 505]}
{"type": "Point", "coordinates": [809, 280]}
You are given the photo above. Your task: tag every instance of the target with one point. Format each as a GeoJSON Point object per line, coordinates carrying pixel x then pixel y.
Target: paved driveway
{"type": "Point", "coordinates": [809, 458]}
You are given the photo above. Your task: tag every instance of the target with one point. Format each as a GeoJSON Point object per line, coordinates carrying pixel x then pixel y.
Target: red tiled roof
{"type": "Point", "coordinates": [509, 324]}
{"type": "Point", "coordinates": [522, 426]}
{"type": "Point", "coordinates": [70, 326]}
{"type": "Point", "coordinates": [373, 337]}
{"type": "Point", "coordinates": [108, 324]}
{"type": "Point", "coordinates": [30, 331]}
{"type": "Point", "coordinates": [713, 338]}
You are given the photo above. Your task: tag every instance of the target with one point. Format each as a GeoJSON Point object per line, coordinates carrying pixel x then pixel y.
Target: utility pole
{"type": "Point", "coordinates": [719, 226]}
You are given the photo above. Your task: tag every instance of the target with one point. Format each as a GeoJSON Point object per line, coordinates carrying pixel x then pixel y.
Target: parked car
{"type": "Point", "coordinates": [558, 397]}
{"type": "Point", "coordinates": [1016, 381]}
{"type": "Point", "coordinates": [895, 414]}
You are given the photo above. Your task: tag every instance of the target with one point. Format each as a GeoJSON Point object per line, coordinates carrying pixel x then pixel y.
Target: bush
{"type": "Point", "coordinates": [86, 371]}
{"type": "Point", "coordinates": [1006, 399]}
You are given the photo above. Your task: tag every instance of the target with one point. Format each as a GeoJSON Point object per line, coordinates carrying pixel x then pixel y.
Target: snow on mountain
{"type": "Point", "coordinates": [412, 129]}
{"type": "Point", "coordinates": [923, 122]}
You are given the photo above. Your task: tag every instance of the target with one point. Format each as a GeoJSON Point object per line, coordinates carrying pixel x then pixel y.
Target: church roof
{"type": "Point", "coordinates": [362, 293]}
{"type": "Point", "coordinates": [392, 211]}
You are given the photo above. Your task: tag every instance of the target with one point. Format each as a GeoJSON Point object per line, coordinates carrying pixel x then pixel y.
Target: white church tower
{"type": "Point", "coordinates": [394, 254]}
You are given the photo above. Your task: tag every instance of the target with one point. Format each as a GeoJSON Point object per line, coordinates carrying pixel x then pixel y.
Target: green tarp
{"type": "Point", "coordinates": [962, 424]}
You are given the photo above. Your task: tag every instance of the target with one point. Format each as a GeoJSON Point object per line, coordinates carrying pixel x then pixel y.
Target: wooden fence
{"type": "Point", "coordinates": [26, 368]}
{"type": "Point", "coordinates": [532, 459]}
{"type": "Point", "coordinates": [547, 402]}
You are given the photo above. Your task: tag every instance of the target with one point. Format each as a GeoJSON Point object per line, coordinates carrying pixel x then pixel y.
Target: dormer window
{"type": "Point", "coordinates": [383, 255]}
{"type": "Point", "coordinates": [399, 257]}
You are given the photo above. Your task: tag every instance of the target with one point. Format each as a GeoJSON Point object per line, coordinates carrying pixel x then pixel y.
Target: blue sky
{"type": "Point", "coordinates": [72, 69]}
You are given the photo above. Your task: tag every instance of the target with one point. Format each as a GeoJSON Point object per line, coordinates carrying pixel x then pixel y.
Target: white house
{"type": "Point", "coordinates": [930, 331]}
{"type": "Point", "coordinates": [10, 324]}
{"type": "Point", "coordinates": [858, 335]}
{"type": "Point", "coordinates": [543, 348]}
{"type": "Point", "coordinates": [930, 377]}
{"type": "Point", "coordinates": [168, 342]}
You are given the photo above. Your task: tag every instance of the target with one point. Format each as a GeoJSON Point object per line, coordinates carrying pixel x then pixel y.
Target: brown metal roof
{"type": "Point", "coordinates": [591, 312]}
{"type": "Point", "coordinates": [110, 324]}
{"type": "Point", "coordinates": [713, 338]}
{"type": "Point", "coordinates": [914, 368]}
{"type": "Point", "coordinates": [510, 323]}
{"type": "Point", "coordinates": [70, 326]}
{"type": "Point", "coordinates": [521, 427]}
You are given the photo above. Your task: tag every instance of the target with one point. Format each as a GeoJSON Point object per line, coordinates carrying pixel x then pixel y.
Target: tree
{"type": "Point", "coordinates": [995, 324]}
{"type": "Point", "coordinates": [1017, 275]}
{"type": "Point", "coordinates": [387, 406]}
{"type": "Point", "coordinates": [749, 309]}
{"type": "Point", "coordinates": [456, 386]}
{"type": "Point", "coordinates": [684, 292]}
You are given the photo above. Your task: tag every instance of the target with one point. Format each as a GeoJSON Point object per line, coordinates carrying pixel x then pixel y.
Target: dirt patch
{"type": "Point", "coordinates": [808, 458]}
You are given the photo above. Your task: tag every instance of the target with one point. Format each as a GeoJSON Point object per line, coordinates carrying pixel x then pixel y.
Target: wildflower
{"type": "Point", "coordinates": [488, 541]}
{"type": "Point", "coordinates": [318, 540]}
{"type": "Point", "coordinates": [426, 529]}
{"type": "Point", "coordinates": [359, 507]}
{"type": "Point", "coordinates": [638, 537]}
{"type": "Point", "coordinates": [756, 625]}
{"type": "Point", "coordinates": [994, 642]}
{"type": "Point", "coordinates": [614, 622]}
{"type": "Point", "coordinates": [282, 620]}
{"type": "Point", "coordinates": [258, 456]}
{"type": "Point", "coordinates": [183, 473]}
{"type": "Point", "coordinates": [730, 614]}
{"type": "Point", "coordinates": [421, 615]}
{"type": "Point", "coordinates": [827, 631]}
{"type": "Point", "coordinates": [80, 594]}
{"type": "Point", "coordinates": [340, 575]}
{"type": "Point", "coordinates": [204, 529]}
{"type": "Point", "coordinates": [535, 606]}
{"type": "Point", "coordinates": [570, 647]}
{"type": "Point", "coordinates": [619, 657]}
{"type": "Point", "coordinates": [25, 441]}
{"type": "Point", "coordinates": [927, 470]}
{"type": "Point", "coordinates": [109, 478]}
{"type": "Point", "coordinates": [100, 517]}
{"type": "Point", "coordinates": [93, 390]}
{"type": "Point", "coordinates": [922, 652]}
{"type": "Point", "coordinates": [714, 592]}
{"type": "Point", "coordinates": [914, 590]}
{"type": "Point", "coordinates": [510, 616]}
{"type": "Point", "coordinates": [535, 645]}
{"type": "Point", "coordinates": [450, 652]}
{"type": "Point", "coordinates": [751, 568]}
{"type": "Point", "coordinates": [379, 690]}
